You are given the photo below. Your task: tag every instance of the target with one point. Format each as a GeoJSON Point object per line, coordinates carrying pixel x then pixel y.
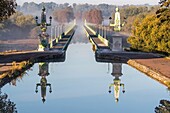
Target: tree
{"type": "Point", "coordinates": [7, 8]}
{"type": "Point", "coordinates": [164, 107]}
{"type": "Point", "coordinates": [151, 33]}
{"type": "Point", "coordinates": [17, 26]}
{"type": "Point", "coordinates": [164, 3]}
{"type": "Point", "coordinates": [93, 16]}
{"type": "Point", "coordinates": [164, 7]}
{"type": "Point", "coordinates": [6, 105]}
{"type": "Point", "coordinates": [64, 15]}
{"type": "Point", "coordinates": [22, 20]}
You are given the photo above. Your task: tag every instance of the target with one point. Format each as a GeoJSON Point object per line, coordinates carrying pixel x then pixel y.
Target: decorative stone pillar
{"type": "Point", "coordinates": [116, 43]}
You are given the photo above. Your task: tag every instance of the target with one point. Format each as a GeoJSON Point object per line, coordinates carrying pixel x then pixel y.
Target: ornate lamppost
{"type": "Point", "coordinates": [116, 72]}
{"type": "Point", "coordinates": [43, 72]}
{"type": "Point", "coordinates": [43, 36]}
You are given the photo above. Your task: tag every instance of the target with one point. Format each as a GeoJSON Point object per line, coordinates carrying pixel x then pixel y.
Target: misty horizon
{"type": "Point", "coordinates": [94, 2]}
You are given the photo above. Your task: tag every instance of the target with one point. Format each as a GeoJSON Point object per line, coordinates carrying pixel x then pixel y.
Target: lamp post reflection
{"type": "Point", "coordinates": [43, 72]}
{"type": "Point", "coordinates": [116, 72]}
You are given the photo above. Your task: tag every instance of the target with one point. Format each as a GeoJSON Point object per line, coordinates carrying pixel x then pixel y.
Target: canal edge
{"type": "Point", "coordinates": [150, 72]}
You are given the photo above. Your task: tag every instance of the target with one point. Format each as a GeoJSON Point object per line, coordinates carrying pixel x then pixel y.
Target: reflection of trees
{"type": "Point", "coordinates": [64, 15]}
{"type": "Point", "coordinates": [16, 72]}
{"type": "Point", "coordinates": [164, 107]}
{"type": "Point", "coordinates": [6, 106]}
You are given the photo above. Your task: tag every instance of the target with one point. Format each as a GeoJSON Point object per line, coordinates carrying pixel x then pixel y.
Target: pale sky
{"type": "Point", "coordinates": [113, 2]}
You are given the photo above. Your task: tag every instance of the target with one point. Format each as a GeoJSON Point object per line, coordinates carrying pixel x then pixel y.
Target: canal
{"type": "Point", "coordinates": [81, 85]}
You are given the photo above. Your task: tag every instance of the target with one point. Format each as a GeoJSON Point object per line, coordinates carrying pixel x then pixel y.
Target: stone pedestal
{"type": "Point", "coordinates": [116, 43]}
{"type": "Point", "coordinates": [42, 48]}
{"type": "Point", "coordinates": [116, 69]}
{"type": "Point", "coordinates": [43, 42]}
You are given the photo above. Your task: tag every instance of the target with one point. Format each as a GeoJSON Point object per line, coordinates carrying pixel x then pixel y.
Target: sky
{"type": "Point", "coordinates": [113, 2]}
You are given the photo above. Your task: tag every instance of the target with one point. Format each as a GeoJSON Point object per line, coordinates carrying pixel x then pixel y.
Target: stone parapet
{"type": "Point", "coordinates": [151, 73]}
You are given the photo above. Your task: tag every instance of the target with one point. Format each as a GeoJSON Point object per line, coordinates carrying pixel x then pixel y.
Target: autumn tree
{"type": "Point", "coordinates": [7, 8]}
{"type": "Point", "coordinates": [164, 3]}
{"type": "Point", "coordinates": [64, 15]}
{"type": "Point", "coordinates": [78, 15]}
{"type": "Point", "coordinates": [151, 33]}
{"type": "Point", "coordinates": [22, 20]}
{"type": "Point", "coordinates": [93, 16]}
{"type": "Point", "coordinates": [17, 26]}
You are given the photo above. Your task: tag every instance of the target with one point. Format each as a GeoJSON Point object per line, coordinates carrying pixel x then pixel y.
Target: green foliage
{"type": "Point", "coordinates": [133, 10]}
{"type": "Point", "coordinates": [18, 24]}
{"type": "Point", "coordinates": [7, 8]}
{"type": "Point", "coordinates": [22, 20]}
{"type": "Point", "coordinates": [151, 33]}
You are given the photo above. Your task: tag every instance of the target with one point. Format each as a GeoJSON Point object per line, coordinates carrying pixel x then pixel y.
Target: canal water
{"type": "Point", "coordinates": [81, 85]}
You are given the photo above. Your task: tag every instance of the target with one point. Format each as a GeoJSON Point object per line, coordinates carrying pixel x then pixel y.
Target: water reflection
{"type": "Point", "coordinates": [43, 73]}
{"type": "Point", "coordinates": [12, 72]}
{"type": "Point", "coordinates": [85, 89]}
{"type": "Point", "coordinates": [116, 73]}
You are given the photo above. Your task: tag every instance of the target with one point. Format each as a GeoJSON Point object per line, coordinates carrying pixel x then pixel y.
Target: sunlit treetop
{"type": "Point", "coordinates": [164, 3]}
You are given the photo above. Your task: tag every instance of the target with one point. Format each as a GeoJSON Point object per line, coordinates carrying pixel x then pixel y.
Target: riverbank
{"type": "Point", "coordinates": [156, 68]}
{"type": "Point", "coordinates": [18, 45]}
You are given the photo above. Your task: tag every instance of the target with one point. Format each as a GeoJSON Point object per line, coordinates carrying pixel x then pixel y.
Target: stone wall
{"type": "Point", "coordinates": [151, 73]}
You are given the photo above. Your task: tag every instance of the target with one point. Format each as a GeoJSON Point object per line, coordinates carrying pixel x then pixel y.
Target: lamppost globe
{"type": "Point", "coordinates": [36, 17]}
{"type": "Point", "coordinates": [110, 18]}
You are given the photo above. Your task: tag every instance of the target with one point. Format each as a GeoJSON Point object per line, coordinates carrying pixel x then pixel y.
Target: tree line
{"type": "Point", "coordinates": [64, 13]}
